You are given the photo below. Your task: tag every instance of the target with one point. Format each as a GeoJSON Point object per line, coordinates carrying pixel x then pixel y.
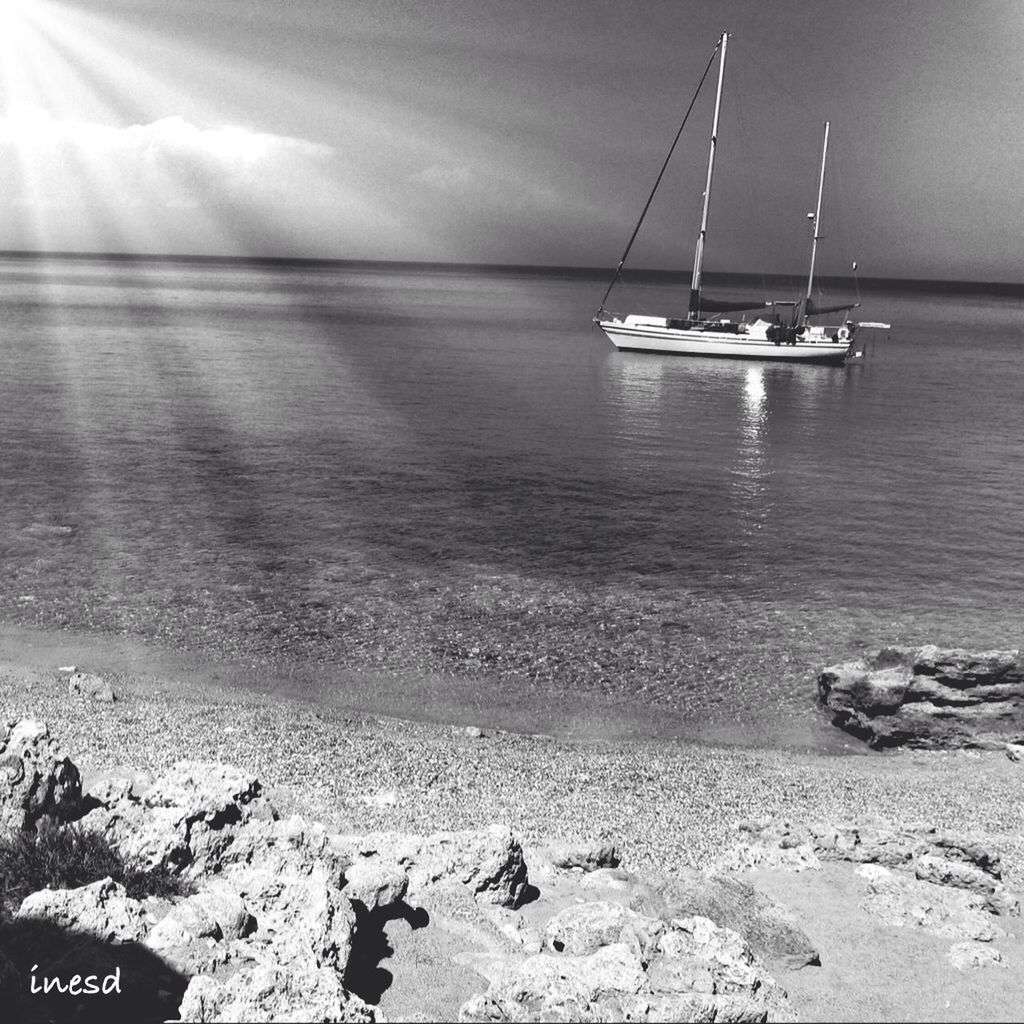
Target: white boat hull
{"type": "Point", "coordinates": [653, 334]}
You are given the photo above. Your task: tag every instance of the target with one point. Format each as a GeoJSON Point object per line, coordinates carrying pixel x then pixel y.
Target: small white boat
{"type": "Point", "coordinates": [786, 332]}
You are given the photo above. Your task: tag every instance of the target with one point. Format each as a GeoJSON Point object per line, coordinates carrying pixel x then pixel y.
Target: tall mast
{"type": "Point", "coordinates": [698, 256]}
{"type": "Point", "coordinates": [817, 218]}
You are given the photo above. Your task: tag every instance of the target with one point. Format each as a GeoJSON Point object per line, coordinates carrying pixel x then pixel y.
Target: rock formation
{"type": "Point", "coordinates": [284, 917]}
{"type": "Point", "coordinates": [946, 884]}
{"type": "Point", "coordinates": [36, 778]}
{"type": "Point", "coordinates": [928, 697]}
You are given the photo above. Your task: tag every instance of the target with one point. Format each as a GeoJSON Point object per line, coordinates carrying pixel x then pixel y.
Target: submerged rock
{"type": "Point", "coordinates": [928, 697]}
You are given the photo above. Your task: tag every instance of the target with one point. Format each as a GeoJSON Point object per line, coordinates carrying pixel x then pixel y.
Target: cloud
{"type": "Point", "coordinates": [170, 162]}
{"type": "Point", "coordinates": [486, 187]}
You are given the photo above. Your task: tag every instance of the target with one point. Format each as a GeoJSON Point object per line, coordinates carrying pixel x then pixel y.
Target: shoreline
{"type": "Point", "coordinates": [664, 802]}
{"type": "Point", "coordinates": [416, 697]}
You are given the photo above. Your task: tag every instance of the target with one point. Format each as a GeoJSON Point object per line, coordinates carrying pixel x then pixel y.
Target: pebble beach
{"type": "Point", "coordinates": [664, 803]}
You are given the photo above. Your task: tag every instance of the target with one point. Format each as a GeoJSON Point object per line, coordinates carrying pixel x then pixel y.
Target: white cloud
{"type": "Point", "coordinates": [171, 162]}
{"type": "Point", "coordinates": [483, 186]}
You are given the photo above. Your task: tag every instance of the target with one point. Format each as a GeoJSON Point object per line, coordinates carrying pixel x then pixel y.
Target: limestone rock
{"type": "Point", "coordinates": [586, 857]}
{"type": "Point", "coordinates": [771, 930]}
{"type": "Point", "coordinates": [101, 909]}
{"type": "Point", "coordinates": [374, 884]}
{"type": "Point", "coordinates": [586, 927]}
{"type": "Point", "coordinates": [928, 697]}
{"type": "Point", "coordinates": [689, 970]}
{"type": "Point", "coordinates": [110, 788]}
{"type": "Point", "coordinates": [187, 817]}
{"type": "Point", "coordinates": [902, 901]}
{"type": "Point", "coordinates": [304, 917]}
{"type": "Point", "coordinates": [965, 956]}
{"type": "Point", "coordinates": [608, 878]}
{"type": "Point", "coordinates": [93, 687]}
{"type": "Point", "coordinates": [489, 862]}
{"type": "Point", "coordinates": [217, 912]}
{"type": "Point", "coordinates": [273, 993]}
{"type": "Point", "coordinates": [965, 875]}
{"type": "Point", "coordinates": [36, 778]}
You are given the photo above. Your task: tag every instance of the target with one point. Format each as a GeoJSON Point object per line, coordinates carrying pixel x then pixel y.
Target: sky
{"type": "Point", "coordinates": [517, 131]}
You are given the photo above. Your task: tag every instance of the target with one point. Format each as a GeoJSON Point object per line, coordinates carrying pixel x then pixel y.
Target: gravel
{"type": "Point", "coordinates": [664, 803]}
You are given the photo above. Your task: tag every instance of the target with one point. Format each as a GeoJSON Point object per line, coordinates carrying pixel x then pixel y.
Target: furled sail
{"type": "Point", "coordinates": [726, 306]}
{"type": "Point", "coordinates": [813, 308]}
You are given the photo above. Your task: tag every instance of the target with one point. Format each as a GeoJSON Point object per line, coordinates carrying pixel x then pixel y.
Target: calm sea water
{"type": "Point", "coordinates": [434, 474]}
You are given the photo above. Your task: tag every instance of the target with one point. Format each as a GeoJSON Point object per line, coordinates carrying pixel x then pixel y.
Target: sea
{"type": "Point", "coordinates": [440, 492]}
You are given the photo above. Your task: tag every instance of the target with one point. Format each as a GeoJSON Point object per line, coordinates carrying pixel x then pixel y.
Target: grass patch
{"type": "Point", "coordinates": [68, 856]}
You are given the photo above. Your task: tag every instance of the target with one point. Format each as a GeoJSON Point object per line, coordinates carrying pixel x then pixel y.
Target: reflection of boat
{"type": "Point", "coordinates": [786, 332]}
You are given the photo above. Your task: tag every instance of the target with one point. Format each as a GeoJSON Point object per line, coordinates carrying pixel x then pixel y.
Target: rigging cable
{"type": "Point", "coordinates": [661, 174]}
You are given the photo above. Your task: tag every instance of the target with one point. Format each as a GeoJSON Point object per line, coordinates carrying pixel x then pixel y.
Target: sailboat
{"type": "Point", "coordinates": [786, 332]}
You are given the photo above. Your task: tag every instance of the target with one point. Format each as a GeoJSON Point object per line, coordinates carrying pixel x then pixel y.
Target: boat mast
{"type": "Point", "coordinates": [817, 218]}
{"type": "Point", "coordinates": [698, 256]}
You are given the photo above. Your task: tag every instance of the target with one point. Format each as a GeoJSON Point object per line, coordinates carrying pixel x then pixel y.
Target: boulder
{"type": "Point", "coordinates": [187, 818]}
{"type": "Point", "coordinates": [936, 855]}
{"type": "Point", "coordinates": [93, 687]}
{"type": "Point", "coordinates": [109, 788]}
{"type": "Point", "coordinates": [216, 912]}
{"type": "Point", "coordinates": [771, 930]}
{"type": "Point", "coordinates": [489, 862]}
{"type": "Point", "coordinates": [101, 909]}
{"type": "Point", "coordinates": [567, 856]}
{"type": "Point", "coordinates": [965, 956]}
{"type": "Point", "coordinates": [585, 927]}
{"type": "Point", "coordinates": [36, 778]}
{"type": "Point", "coordinates": [273, 993]}
{"type": "Point", "coordinates": [897, 899]}
{"type": "Point", "coordinates": [928, 697]}
{"type": "Point", "coordinates": [304, 917]}
{"type": "Point", "coordinates": [685, 969]}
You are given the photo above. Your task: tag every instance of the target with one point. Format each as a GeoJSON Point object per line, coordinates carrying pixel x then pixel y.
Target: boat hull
{"type": "Point", "coordinates": [682, 342]}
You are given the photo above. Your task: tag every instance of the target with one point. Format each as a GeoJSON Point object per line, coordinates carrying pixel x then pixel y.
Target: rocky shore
{"type": "Point", "coordinates": [351, 867]}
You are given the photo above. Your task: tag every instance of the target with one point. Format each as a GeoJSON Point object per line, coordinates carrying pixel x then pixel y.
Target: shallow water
{"type": "Point", "coordinates": [434, 472]}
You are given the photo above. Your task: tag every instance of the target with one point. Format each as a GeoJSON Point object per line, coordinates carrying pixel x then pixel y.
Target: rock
{"type": "Point", "coordinates": [586, 927]}
{"type": "Point", "coordinates": [302, 917]}
{"type": "Point", "coordinates": [293, 845]}
{"type": "Point", "coordinates": [750, 856]}
{"type": "Point", "coordinates": [768, 841]}
{"type": "Point", "coordinates": [489, 862]}
{"type": "Point", "coordinates": [771, 930]}
{"type": "Point", "coordinates": [689, 970]}
{"type": "Point", "coordinates": [216, 912]}
{"type": "Point", "coordinates": [902, 901]}
{"type": "Point", "coordinates": [188, 817]}
{"type": "Point", "coordinates": [1015, 751]}
{"type": "Point", "coordinates": [586, 857]}
{"type": "Point", "coordinates": [270, 992]}
{"type": "Point", "coordinates": [85, 684]}
{"type": "Point", "coordinates": [110, 788]}
{"type": "Point", "coordinates": [374, 884]}
{"type": "Point", "coordinates": [36, 778]}
{"type": "Point", "coordinates": [928, 697]}
{"type": "Point", "coordinates": [101, 909]}
{"type": "Point", "coordinates": [968, 955]}
{"type": "Point", "coordinates": [608, 878]}
{"type": "Point", "coordinates": [963, 875]}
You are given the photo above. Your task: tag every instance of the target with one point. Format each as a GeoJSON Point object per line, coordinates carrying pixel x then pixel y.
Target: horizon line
{"type": "Point", "coordinates": [1009, 287]}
